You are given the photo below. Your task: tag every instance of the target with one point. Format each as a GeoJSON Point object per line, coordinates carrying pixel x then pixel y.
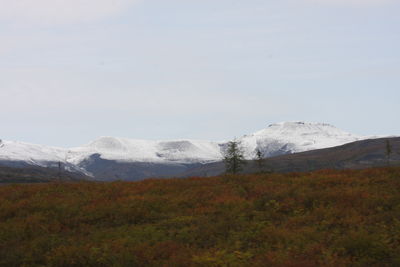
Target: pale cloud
{"type": "Point", "coordinates": [60, 11]}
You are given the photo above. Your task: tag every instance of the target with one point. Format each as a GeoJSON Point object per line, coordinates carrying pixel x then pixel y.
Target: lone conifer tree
{"type": "Point", "coordinates": [260, 159]}
{"type": "Point", "coordinates": [388, 151]}
{"type": "Point", "coordinates": [233, 157]}
{"type": "Point", "coordinates": [59, 170]}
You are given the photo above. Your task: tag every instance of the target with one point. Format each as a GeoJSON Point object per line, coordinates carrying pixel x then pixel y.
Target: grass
{"type": "Point", "coordinates": [324, 218]}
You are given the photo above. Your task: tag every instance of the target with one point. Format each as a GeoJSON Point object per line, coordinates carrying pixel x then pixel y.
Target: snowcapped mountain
{"type": "Point", "coordinates": [276, 139]}
{"type": "Point", "coordinates": [29, 153]}
{"type": "Point", "coordinates": [293, 137]}
{"type": "Point", "coordinates": [20, 154]}
{"type": "Point", "coordinates": [130, 150]}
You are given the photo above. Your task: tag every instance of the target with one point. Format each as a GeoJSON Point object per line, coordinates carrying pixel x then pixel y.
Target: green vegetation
{"type": "Point", "coordinates": [325, 218]}
{"type": "Point", "coordinates": [233, 157]}
{"type": "Point", "coordinates": [260, 160]}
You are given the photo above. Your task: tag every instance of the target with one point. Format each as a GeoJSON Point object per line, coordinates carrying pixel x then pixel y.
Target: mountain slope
{"type": "Point", "coordinates": [276, 139]}
{"type": "Point", "coordinates": [20, 154]}
{"type": "Point", "coordinates": [293, 137]}
{"type": "Point", "coordinates": [30, 174]}
{"type": "Point", "coordinates": [32, 154]}
{"type": "Point", "coordinates": [110, 158]}
{"type": "Point", "coordinates": [357, 155]}
{"type": "Point", "coordinates": [130, 150]}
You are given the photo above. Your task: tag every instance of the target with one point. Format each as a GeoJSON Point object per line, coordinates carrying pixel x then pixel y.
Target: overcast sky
{"type": "Point", "coordinates": [74, 70]}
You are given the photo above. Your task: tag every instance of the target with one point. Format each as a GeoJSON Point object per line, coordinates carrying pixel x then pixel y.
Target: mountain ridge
{"type": "Point", "coordinates": [361, 154]}
{"type": "Point", "coordinates": [179, 154]}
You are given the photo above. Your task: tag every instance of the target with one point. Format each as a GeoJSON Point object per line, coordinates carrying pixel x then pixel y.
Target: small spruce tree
{"type": "Point", "coordinates": [260, 159]}
{"type": "Point", "coordinates": [59, 170]}
{"type": "Point", "coordinates": [233, 157]}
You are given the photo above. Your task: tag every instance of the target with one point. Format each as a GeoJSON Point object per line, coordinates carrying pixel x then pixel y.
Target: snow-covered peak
{"type": "Point", "coordinates": [301, 128]}
{"type": "Point", "coordinates": [33, 154]}
{"type": "Point", "coordinates": [134, 150]}
{"type": "Point", "coordinates": [14, 153]}
{"type": "Point", "coordinates": [293, 137]}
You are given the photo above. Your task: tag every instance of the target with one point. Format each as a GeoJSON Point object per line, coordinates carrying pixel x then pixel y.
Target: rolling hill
{"type": "Point", "coordinates": [357, 155]}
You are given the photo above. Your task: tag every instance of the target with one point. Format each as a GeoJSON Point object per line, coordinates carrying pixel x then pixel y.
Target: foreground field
{"type": "Point", "coordinates": [325, 218]}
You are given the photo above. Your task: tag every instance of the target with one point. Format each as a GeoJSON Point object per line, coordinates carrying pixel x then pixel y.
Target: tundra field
{"type": "Point", "coordinates": [323, 218]}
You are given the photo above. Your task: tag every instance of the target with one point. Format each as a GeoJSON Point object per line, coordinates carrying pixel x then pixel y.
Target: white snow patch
{"type": "Point", "coordinates": [276, 139]}
{"type": "Point", "coordinates": [39, 155]}
{"type": "Point", "coordinates": [131, 150]}
{"type": "Point", "coordinates": [294, 137]}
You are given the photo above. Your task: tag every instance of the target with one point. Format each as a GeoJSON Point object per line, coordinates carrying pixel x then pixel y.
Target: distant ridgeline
{"type": "Point", "coordinates": [282, 144]}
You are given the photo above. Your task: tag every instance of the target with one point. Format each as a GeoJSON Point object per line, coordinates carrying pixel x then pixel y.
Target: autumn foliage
{"type": "Point", "coordinates": [324, 218]}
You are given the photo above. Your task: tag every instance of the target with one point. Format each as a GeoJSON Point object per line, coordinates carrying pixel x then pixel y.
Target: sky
{"type": "Point", "coordinates": [74, 70]}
